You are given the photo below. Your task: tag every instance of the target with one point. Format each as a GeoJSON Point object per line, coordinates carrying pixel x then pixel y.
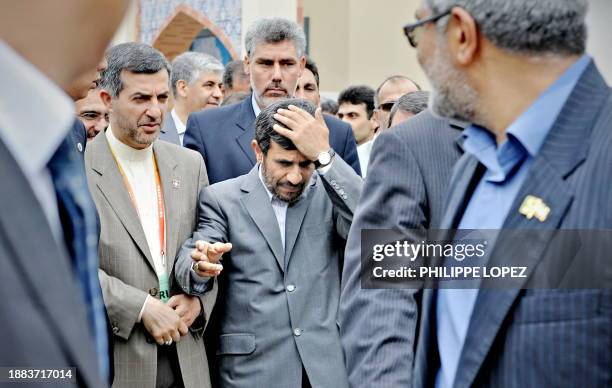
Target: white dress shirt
{"type": "Point", "coordinates": [180, 126]}
{"type": "Point", "coordinates": [35, 117]}
{"type": "Point", "coordinates": [363, 152]}
{"type": "Point", "coordinates": [279, 207]}
{"type": "Point", "coordinates": [139, 170]}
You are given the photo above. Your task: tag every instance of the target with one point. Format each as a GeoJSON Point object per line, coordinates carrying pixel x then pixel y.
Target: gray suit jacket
{"type": "Point", "coordinates": [407, 181]}
{"type": "Point", "coordinates": [277, 308]}
{"type": "Point", "coordinates": [169, 132]}
{"type": "Point", "coordinates": [43, 316]}
{"type": "Point", "coordinates": [127, 273]}
{"type": "Point", "coordinates": [540, 337]}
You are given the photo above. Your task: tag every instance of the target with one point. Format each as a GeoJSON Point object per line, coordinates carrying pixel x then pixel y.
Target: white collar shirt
{"type": "Point", "coordinates": [180, 126]}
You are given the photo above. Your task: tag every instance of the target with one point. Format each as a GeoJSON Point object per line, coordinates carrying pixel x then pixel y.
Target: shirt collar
{"type": "Point", "coordinates": [256, 107]}
{"type": "Point", "coordinates": [124, 151]}
{"type": "Point", "coordinates": [180, 126]}
{"type": "Point", "coordinates": [32, 138]}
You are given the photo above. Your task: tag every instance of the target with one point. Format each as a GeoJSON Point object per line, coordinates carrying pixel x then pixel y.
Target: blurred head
{"type": "Point", "coordinates": [356, 107]}
{"type": "Point", "coordinates": [234, 98]}
{"type": "Point", "coordinates": [136, 87]}
{"type": "Point", "coordinates": [196, 81]}
{"type": "Point", "coordinates": [408, 106]}
{"type": "Point", "coordinates": [329, 106]}
{"type": "Point", "coordinates": [274, 58]}
{"type": "Point", "coordinates": [93, 112]}
{"type": "Point", "coordinates": [73, 39]}
{"type": "Point", "coordinates": [450, 49]}
{"type": "Point", "coordinates": [285, 170]}
{"type": "Point", "coordinates": [235, 80]}
{"type": "Point", "coordinates": [308, 84]}
{"type": "Point", "coordinates": [387, 93]}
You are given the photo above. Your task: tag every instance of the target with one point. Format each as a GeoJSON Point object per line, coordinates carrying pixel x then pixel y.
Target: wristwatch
{"type": "Point", "coordinates": [324, 158]}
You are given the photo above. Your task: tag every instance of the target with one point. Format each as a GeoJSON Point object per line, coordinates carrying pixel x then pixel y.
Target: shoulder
{"type": "Point", "coordinates": [335, 124]}
{"type": "Point", "coordinates": [423, 128]}
{"type": "Point", "coordinates": [217, 114]}
{"type": "Point", "coordinates": [180, 154]}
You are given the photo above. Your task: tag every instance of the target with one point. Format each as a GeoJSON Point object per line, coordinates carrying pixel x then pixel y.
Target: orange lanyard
{"type": "Point", "coordinates": [161, 211]}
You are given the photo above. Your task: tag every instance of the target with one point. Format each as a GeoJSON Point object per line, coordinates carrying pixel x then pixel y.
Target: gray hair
{"type": "Point", "coordinates": [413, 102]}
{"type": "Point", "coordinates": [134, 57]}
{"type": "Point", "coordinates": [264, 133]}
{"type": "Point", "coordinates": [527, 26]}
{"type": "Point", "coordinates": [191, 65]}
{"type": "Point", "coordinates": [394, 79]}
{"type": "Point", "coordinates": [275, 30]}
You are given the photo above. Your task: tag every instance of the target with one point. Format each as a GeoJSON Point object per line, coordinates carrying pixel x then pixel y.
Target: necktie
{"type": "Point", "coordinates": [80, 229]}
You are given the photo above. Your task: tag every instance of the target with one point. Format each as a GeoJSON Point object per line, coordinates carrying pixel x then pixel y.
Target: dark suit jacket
{"type": "Point", "coordinates": [223, 137]}
{"type": "Point", "coordinates": [540, 337]}
{"type": "Point", "coordinates": [408, 176]}
{"type": "Point", "coordinates": [43, 315]}
{"type": "Point", "coordinates": [78, 135]}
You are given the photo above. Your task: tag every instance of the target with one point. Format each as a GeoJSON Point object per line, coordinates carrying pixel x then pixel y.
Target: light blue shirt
{"type": "Point", "coordinates": [507, 166]}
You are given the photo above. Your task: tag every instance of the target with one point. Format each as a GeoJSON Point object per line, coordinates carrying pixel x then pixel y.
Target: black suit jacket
{"type": "Point", "coordinates": [223, 137]}
{"type": "Point", "coordinates": [78, 135]}
{"type": "Point", "coordinates": [407, 181]}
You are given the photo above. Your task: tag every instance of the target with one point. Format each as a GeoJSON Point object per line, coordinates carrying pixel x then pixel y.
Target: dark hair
{"type": "Point", "coordinates": [138, 58]}
{"type": "Point", "coordinates": [394, 79]}
{"type": "Point", "coordinates": [357, 95]}
{"type": "Point", "coordinates": [264, 133]}
{"type": "Point", "coordinates": [329, 106]}
{"type": "Point", "coordinates": [233, 69]}
{"type": "Point", "coordinates": [413, 102]}
{"type": "Point", "coordinates": [312, 66]}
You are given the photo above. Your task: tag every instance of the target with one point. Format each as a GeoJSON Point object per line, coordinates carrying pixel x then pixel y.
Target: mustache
{"type": "Point", "coordinates": [275, 87]}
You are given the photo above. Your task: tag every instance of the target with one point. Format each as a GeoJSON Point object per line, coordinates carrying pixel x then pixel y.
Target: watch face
{"type": "Point", "coordinates": [324, 158]}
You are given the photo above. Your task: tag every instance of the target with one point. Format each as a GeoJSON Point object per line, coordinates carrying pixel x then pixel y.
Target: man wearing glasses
{"type": "Point", "coordinates": [542, 130]}
{"type": "Point", "coordinates": [387, 93]}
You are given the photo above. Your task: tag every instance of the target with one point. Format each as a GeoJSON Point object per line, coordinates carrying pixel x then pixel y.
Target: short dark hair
{"type": "Point", "coordinates": [358, 95]}
{"type": "Point", "coordinates": [413, 102]}
{"type": "Point", "coordinates": [233, 69]}
{"type": "Point", "coordinates": [329, 106]}
{"type": "Point", "coordinates": [138, 58]}
{"type": "Point", "coordinates": [393, 78]}
{"type": "Point", "coordinates": [264, 133]}
{"type": "Point", "coordinates": [312, 66]}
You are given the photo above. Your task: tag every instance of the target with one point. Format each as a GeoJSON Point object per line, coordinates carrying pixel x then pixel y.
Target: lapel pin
{"type": "Point", "coordinates": [533, 206]}
{"type": "Point", "coordinates": [176, 183]}
{"type": "Point", "coordinates": [80, 147]}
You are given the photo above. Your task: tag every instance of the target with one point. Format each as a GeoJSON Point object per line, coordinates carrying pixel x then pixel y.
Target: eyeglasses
{"type": "Point", "coordinates": [386, 106]}
{"type": "Point", "coordinates": [413, 31]}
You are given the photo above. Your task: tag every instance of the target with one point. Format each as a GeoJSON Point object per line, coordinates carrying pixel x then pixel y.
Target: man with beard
{"type": "Point", "coordinates": [196, 85]}
{"type": "Point", "coordinates": [146, 193]}
{"type": "Point", "coordinates": [282, 227]}
{"type": "Point", "coordinates": [275, 58]}
{"type": "Point", "coordinates": [539, 144]}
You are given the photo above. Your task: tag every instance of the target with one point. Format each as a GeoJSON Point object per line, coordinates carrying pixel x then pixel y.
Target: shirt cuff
{"type": "Point", "coordinates": [142, 309]}
{"type": "Point", "coordinates": [323, 170]}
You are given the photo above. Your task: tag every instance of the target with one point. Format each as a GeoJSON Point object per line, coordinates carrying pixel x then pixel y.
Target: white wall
{"type": "Point", "coordinates": [599, 22]}
{"type": "Point", "coordinates": [255, 9]}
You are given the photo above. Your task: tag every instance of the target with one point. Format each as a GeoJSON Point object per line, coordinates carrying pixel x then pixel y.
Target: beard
{"type": "Point", "coordinates": [266, 101]}
{"type": "Point", "coordinates": [452, 96]}
{"type": "Point", "coordinates": [273, 187]}
{"type": "Point", "coordinates": [131, 129]}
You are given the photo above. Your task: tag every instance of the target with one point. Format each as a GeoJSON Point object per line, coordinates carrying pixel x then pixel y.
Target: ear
{"type": "Point", "coordinates": [302, 65]}
{"type": "Point", "coordinates": [246, 65]}
{"type": "Point", "coordinates": [181, 88]}
{"type": "Point", "coordinates": [376, 118]}
{"type": "Point", "coordinates": [463, 37]}
{"type": "Point", "coordinates": [259, 155]}
{"type": "Point", "coordinates": [106, 98]}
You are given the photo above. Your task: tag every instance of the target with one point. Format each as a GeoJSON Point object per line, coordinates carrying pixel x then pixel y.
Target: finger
{"type": "Point", "coordinates": [176, 335]}
{"type": "Point", "coordinates": [288, 122]}
{"type": "Point", "coordinates": [201, 246]}
{"type": "Point", "coordinates": [165, 338]}
{"type": "Point", "coordinates": [208, 269]}
{"type": "Point", "coordinates": [319, 115]}
{"type": "Point", "coordinates": [181, 310]}
{"type": "Point", "coordinates": [292, 112]}
{"type": "Point", "coordinates": [198, 256]}
{"type": "Point", "coordinates": [173, 301]}
{"type": "Point", "coordinates": [301, 112]}
{"type": "Point", "coordinates": [183, 329]}
{"type": "Point", "coordinates": [289, 134]}
{"type": "Point", "coordinates": [220, 248]}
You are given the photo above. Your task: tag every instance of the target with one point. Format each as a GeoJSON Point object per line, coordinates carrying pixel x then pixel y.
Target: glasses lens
{"type": "Point", "coordinates": [387, 106]}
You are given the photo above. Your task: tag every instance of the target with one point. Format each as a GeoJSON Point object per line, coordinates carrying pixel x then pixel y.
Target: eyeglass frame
{"type": "Point", "coordinates": [389, 104]}
{"type": "Point", "coordinates": [410, 28]}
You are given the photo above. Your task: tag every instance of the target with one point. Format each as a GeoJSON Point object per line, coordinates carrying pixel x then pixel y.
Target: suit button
{"type": "Point", "coordinates": [290, 287]}
{"type": "Point", "coordinates": [342, 192]}
{"type": "Point", "coordinates": [297, 332]}
{"type": "Point", "coordinates": [153, 291]}
{"type": "Point", "coordinates": [115, 330]}
{"type": "Point", "coordinates": [345, 197]}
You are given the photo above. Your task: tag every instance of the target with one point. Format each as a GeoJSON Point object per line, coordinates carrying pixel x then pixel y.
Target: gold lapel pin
{"type": "Point", "coordinates": [533, 206]}
{"type": "Point", "coordinates": [176, 183]}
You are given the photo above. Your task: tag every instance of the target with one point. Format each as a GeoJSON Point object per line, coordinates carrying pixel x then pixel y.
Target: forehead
{"type": "Point", "coordinates": [209, 76]}
{"type": "Point", "coordinates": [93, 101]}
{"type": "Point", "coordinates": [393, 90]}
{"type": "Point", "coordinates": [279, 153]}
{"type": "Point", "coordinates": [279, 50]}
{"type": "Point", "coordinates": [308, 77]}
{"type": "Point", "coordinates": [151, 83]}
{"type": "Point", "coordinates": [347, 107]}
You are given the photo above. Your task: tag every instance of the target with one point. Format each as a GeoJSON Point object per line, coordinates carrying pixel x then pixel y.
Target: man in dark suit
{"type": "Point", "coordinates": [52, 311]}
{"type": "Point", "coordinates": [274, 60]}
{"type": "Point", "coordinates": [538, 159]}
{"type": "Point", "coordinates": [409, 172]}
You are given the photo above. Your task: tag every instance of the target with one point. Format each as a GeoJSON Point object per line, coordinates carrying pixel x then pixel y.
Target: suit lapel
{"type": "Point", "coordinates": [295, 218]}
{"type": "Point", "coordinates": [50, 278]}
{"type": "Point", "coordinates": [257, 203]}
{"type": "Point", "coordinates": [112, 187]}
{"type": "Point", "coordinates": [246, 121]}
{"type": "Point", "coordinates": [171, 187]}
{"type": "Point", "coordinates": [169, 130]}
{"type": "Point", "coordinates": [564, 150]}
